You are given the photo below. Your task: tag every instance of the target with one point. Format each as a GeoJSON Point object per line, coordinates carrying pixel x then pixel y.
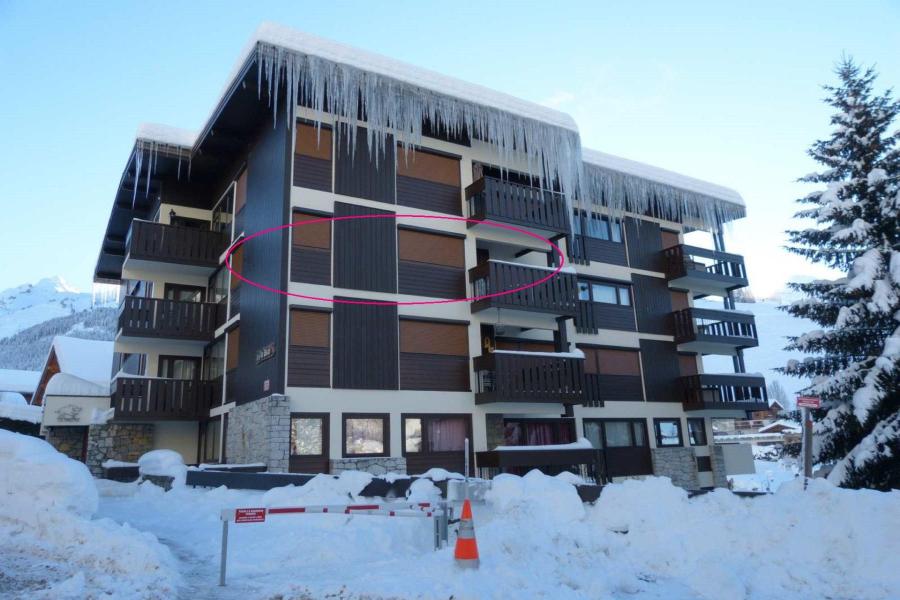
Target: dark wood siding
{"type": "Point", "coordinates": [365, 250]}
{"type": "Point", "coordinates": [429, 181]}
{"type": "Point", "coordinates": [365, 346]}
{"type": "Point", "coordinates": [652, 305]}
{"type": "Point", "coordinates": [644, 244]}
{"type": "Point", "coordinates": [310, 250]}
{"type": "Point", "coordinates": [586, 249]}
{"type": "Point", "coordinates": [310, 349]}
{"type": "Point", "coordinates": [434, 356]}
{"type": "Point", "coordinates": [313, 157]}
{"type": "Point", "coordinates": [358, 174]}
{"type": "Point", "coordinates": [661, 371]}
{"type": "Point", "coordinates": [615, 374]}
{"type": "Point", "coordinates": [431, 265]}
{"type": "Point", "coordinates": [264, 261]}
{"type": "Point", "coordinates": [592, 316]}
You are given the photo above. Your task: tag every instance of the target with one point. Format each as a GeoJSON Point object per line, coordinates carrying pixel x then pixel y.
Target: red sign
{"type": "Point", "coordinates": [249, 515]}
{"type": "Point", "coordinates": [809, 402]}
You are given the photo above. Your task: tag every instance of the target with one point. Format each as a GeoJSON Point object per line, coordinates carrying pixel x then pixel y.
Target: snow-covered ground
{"type": "Point", "coordinates": [642, 539]}
{"type": "Point", "coordinates": [770, 475]}
{"type": "Point", "coordinates": [773, 326]}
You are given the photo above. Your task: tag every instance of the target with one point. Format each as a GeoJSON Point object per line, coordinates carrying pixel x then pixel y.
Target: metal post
{"type": "Point", "coordinates": [445, 522]}
{"type": "Point", "coordinates": [466, 471]}
{"type": "Point", "coordinates": [807, 447]}
{"type": "Point", "coordinates": [224, 558]}
{"type": "Point", "coordinates": [437, 533]}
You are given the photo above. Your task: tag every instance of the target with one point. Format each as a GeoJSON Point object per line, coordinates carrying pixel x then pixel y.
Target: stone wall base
{"type": "Point", "coordinates": [67, 440]}
{"type": "Point", "coordinates": [260, 432]}
{"type": "Point", "coordinates": [117, 441]}
{"type": "Point", "coordinates": [717, 459]}
{"type": "Point", "coordinates": [378, 465]}
{"type": "Point", "coordinates": [678, 464]}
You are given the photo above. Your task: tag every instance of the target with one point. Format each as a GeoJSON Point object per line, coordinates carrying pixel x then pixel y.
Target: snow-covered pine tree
{"type": "Point", "coordinates": [854, 363]}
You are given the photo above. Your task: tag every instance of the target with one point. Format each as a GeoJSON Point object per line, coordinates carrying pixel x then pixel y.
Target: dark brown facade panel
{"type": "Point", "coordinates": [310, 265]}
{"type": "Point", "coordinates": [644, 240]}
{"type": "Point", "coordinates": [365, 250]}
{"type": "Point", "coordinates": [429, 195]}
{"type": "Point", "coordinates": [610, 361]}
{"type": "Point", "coordinates": [421, 279]}
{"type": "Point", "coordinates": [312, 173]}
{"type": "Point", "coordinates": [619, 388]}
{"type": "Point", "coordinates": [652, 305]}
{"type": "Point", "coordinates": [455, 462]}
{"type": "Point", "coordinates": [358, 173]}
{"type": "Point", "coordinates": [586, 248]}
{"type": "Point", "coordinates": [661, 371]}
{"type": "Point", "coordinates": [365, 347]}
{"type": "Point", "coordinates": [434, 372]}
{"type": "Point", "coordinates": [669, 238]}
{"type": "Point", "coordinates": [308, 367]}
{"type": "Point", "coordinates": [596, 315]}
{"type": "Point", "coordinates": [687, 364]}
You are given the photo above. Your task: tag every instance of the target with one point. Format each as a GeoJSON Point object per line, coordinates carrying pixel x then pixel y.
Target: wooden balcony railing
{"type": "Point", "coordinates": [529, 377]}
{"type": "Point", "coordinates": [173, 319]}
{"type": "Point", "coordinates": [558, 295]}
{"type": "Point", "coordinates": [500, 200]}
{"type": "Point", "coordinates": [705, 266]}
{"type": "Point", "coordinates": [741, 391]}
{"type": "Point", "coordinates": [712, 326]}
{"type": "Point", "coordinates": [158, 242]}
{"type": "Point", "coordinates": [154, 399]}
{"type": "Point", "coordinates": [590, 463]}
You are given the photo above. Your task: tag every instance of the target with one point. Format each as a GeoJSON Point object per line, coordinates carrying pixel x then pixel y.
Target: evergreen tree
{"type": "Point", "coordinates": [855, 358]}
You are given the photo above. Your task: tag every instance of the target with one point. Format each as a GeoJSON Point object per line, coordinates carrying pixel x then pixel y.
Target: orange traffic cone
{"type": "Point", "coordinates": [466, 552]}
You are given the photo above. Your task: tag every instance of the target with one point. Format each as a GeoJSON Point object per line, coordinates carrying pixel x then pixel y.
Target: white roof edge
{"type": "Point", "coordinates": [166, 134]}
{"type": "Point", "coordinates": [660, 175]}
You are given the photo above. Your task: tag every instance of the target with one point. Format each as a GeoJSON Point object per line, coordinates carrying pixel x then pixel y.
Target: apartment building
{"type": "Point", "coordinates": [352, 358]}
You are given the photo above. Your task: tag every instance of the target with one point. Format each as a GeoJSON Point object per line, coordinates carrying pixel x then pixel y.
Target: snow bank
{"type": "Point", "coordinates": [439, 474]}
{"type": "Point", "coordinates": [51, 548]}
{"type": "Point", "coordinates": [14, 406]}
{"type": "Point", "coordinates": [163, 463]}
{"type": "Point", "coordinates": [321, 489]}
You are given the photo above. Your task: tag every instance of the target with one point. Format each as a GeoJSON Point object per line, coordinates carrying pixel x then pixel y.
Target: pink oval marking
{"type": "Point", "coordinates": [245, 239]}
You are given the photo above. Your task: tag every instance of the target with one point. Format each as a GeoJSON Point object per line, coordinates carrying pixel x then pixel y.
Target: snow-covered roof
{"type": "Point", "coordinates": [65, 384]}
{"type": "Point", "coordinates": [86, 359]}
{"type": "Point", "coordinates": [14, 406]}
{"type": "Point", "coordinates": [781, 423]}
{"type": "Point", "coordinates": [166, 134]}
{"type": "Point", "coordinates": [15, 380]}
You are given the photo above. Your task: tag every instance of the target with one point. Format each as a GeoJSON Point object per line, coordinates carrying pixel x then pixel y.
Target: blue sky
{"type": "Point", "coordinates": [725, 93]}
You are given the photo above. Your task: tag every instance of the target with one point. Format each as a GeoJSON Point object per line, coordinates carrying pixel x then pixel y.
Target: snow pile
{"type": "Point", "coordinates": [51, 548]}
{"type": "Point", "coordinates": [14, 406]}
{"type": "Point", "coordinates": [581, 444]}
{"type": "Point", "coordinates": [321, 489]}
{"type": "Point", "coordinates": [439, 474]}
{"type": "Point", "coordinates": [163, 463]}
{"type": "Point", "coordinates": [423, 490]}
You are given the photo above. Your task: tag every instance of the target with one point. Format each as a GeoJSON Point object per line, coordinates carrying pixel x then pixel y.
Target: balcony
{"type": "Point", "coordinates": [704, 272]}
{"type": "Point", "coordinates": [154, 399]}
{"type": "Point", "coordinates": [589, 463]}
{"type": "Point", "coordinates": [523, 205]}
{"type": "Point", "coordinates": [168, 319]}
{"type": "Point", "coordinates": [157, 246]}
{"type": "Point", "coordinates": [557, 296]}
{"type": "Point", "coordinates": [505, 376]}
{"type": "Point", "coordinates": [711, 331]}
{"type": "Point", "coordinates": [733, 391]}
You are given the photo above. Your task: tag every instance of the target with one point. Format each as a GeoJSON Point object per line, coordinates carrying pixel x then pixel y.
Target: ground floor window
{"type": "Point", "coordinates": [435, 433]}
{"type": "Point", "coordinates": [616, 433]}
{"type": "Point", "coordinates": [668, 432]}
{"type": "Point", "coordinates": [307, 434]}
{"type": "Point", "coordinates": [696, 432]}
{"type": "Point", "coordinates": [366, 434]}
{"type": "Point", "coordinates": [211, 433]}
{"type": "Point", "coordinates": [538, 432]}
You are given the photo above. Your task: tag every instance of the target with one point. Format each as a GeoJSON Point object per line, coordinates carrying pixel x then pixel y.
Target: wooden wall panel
{"type": "Point", "coordinates": [661, 371]}
{"type": "Point", "coordinates": [644, 240]}
{"type": "Point", "coordinates": [309, 367]}
{"type": "Point", "coordinates": [434, 356]}
{"type": "Point", "coordinates": [310, 328]}
{"type": "Point", "coordinates": [365, 347]}
{"type": "Point", "coordinates": [431, 265]}
{"type": "Point", "coordinates": [652, 305]}
{"type": "Point", "coordinates": [310, 250]}
{"type": "Point", "coordinates": [358, 174]}
{"type": "Point", "coordinates": [432, 248]}
{"type": "Point", "coordinates": [429, 181]}
{"type": "Point", "coordinates": [365, 250]}
{"type": "Point", "coordinates": [431, 337]}
{"type": "Point", "coordinates": [313, 157]}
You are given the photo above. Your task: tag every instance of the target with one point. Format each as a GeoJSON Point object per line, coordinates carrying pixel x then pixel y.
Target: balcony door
{"type": "Point", "coordinates": [184, 293]}
{"type": "Point", "coordinates": [624, 444]}
{"type": "Point", "coordinates": [178, 367]}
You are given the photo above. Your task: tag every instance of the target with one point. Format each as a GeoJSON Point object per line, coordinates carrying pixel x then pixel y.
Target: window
{"type": "Point", "coordinates": [696, 432]}
{"type": "Point", "coordinates": [366, 435]}
{"type": "Point", "coordinates": [178, 367]}
{"type": "Point", "coordinates": [309, 351]}
{"type": "Point", "coordinates": [307, 435]}
{"type": "Point", "coordinates": [599, 228]}
{"type": "Point", "coordinates": [434, 356]}
{"type": "Point", "coordinates": [184, 293]}
{"type": "Point", "coordinates": [668, 432]}
{"type": "Point", "coordinates": [217, 289]}
{"type": "Point", "coordinates": [605, 292]}
{"type": "Point", "coordinates": [434, 433]}
{"type": "Point", "coordinates": [538, 432]}
{"type": "Point", "coordinates": [616, 433]}
{"type": "Point", "coordinates": [214, 361]}
{"type": "Point", "coordinates": [431, 264]}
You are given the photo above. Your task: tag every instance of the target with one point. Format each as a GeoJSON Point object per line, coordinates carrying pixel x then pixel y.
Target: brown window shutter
{"type": "Point", "coordinates": [317, 235]}
{"type": "Point", "coordinates": [590, 361]}
{"type": "Point", "coordinates": [237, 264]}
{"type": "Point", "coordinates": [234, 343]}
{"type": "Point", "coordinates": [427, 337]}
{"type": "Point", "coordinates": [240, 192]}
{"type": "Point", "coordinates": [420, 164]}
{"type": "Point", "coordinates": [618, 362]}
{"type": "Point", "coordinates": [669, 238]}
{"type": "Point", "coordinates": [313, 143]}
{"type": "Point", "coordinates": [310, 328]}
{"type": "Point", "coordinates": [687, 364]}
{"type": "Point", "coordinates": [435, 249]}
{"type": "Point", "coordinates": [679, 300]}
{"type": "Point", "coordinates": [525, 346]}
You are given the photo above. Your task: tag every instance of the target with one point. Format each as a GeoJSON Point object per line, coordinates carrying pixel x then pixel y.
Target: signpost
{"type": "Point", "coordinates": [805, 403]}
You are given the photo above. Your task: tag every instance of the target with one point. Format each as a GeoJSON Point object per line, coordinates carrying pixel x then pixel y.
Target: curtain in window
{"type": "Point", "coordinates": [446, 434]}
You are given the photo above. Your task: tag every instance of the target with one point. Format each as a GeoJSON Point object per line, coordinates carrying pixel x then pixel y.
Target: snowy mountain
{"type": "Point", "coordinates": [31, 314]}
{"type": "Point", "coordinates": [772, 326]}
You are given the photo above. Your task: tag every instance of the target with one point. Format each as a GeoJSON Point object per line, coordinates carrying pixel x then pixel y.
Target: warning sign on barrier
{"type": "Point", "coordinates": [249, 515]}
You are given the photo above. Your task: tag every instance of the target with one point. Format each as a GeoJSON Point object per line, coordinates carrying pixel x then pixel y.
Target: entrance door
{"type": "Point", "coordinates": [624, 443]}
{"type": "Point", "coordinates": [309, 443]}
